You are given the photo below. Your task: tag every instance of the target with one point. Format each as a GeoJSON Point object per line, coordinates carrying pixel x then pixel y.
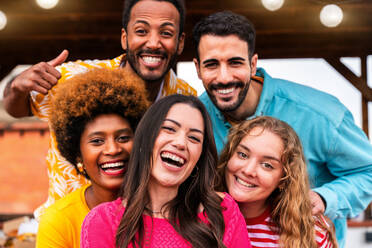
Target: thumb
{"type": "Point", "coordinates": [59, 59]}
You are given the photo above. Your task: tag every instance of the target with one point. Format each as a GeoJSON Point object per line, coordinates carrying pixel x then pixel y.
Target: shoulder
{"type": "Point", "coordinates": [230, 208]}
{"type": "Point", "coordinates": [105, 213]}
{"type": "Point", "coordinates": [209, 105]}
{"type": "Point", "coordinates": [305, 98]}
{"type": "Point", "coordinates": [72, 201]}
{"type": "Point", "coordinates": [100, 225]}
{"type": "Point", "coordinates": [183, 86]}
{"type": "Point", "coordinates": [70, 69]}
{"type": "Point", "coordinates": [322, 231]}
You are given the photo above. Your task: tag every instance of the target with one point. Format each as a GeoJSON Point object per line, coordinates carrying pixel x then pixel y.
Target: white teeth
{"type": "Point", "coordinates": [173, 157]}
{"type": "Point", "coordinates": [150, 60]}
{"type": "Point", "coordinates": [225, 91]}
{"type": "Point", "coordinates": [112, 165]}
{"type": "Point", "coordinates": [244, 183]}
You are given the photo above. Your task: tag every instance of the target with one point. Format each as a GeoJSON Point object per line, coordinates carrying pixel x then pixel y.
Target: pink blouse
{"type": "Point", "coordinates": [100, 225]}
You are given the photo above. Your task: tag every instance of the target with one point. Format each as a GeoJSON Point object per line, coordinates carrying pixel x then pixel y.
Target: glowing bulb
{"type": "Point", "coordinates": [331, 15]}
{"type": "Point", "coordinates": [3, 20]}
{"type": "Point", "coordinates": [272, 5]}
{"type": "Point", "coordinates": [47, 4]}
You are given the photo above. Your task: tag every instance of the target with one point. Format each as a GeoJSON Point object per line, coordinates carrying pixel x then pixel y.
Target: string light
{"type": "Point", "coordinates": [331, 15]}
{"type": "Point", "coordinates": [272, 5]}
{"type": "Point", "coordinates": [3, 20]}
{"type": "Point", "coordinates": [47, 4]}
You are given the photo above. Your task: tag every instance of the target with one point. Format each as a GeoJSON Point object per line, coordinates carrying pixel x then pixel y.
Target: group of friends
{"type": "Point", "coordinates": [137, 160]}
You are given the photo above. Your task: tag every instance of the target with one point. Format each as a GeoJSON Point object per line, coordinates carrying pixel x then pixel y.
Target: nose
{"type": "Point", "coordinates": [180, 141]}
{"type": "Point", "coordinates": [153, 41]}
{"type": "Point", "coordinates": [250, 167]}
{"type": "Point", "coordinates": [112, 148]}
{"type": "Point", "coordinates": [224, 74]}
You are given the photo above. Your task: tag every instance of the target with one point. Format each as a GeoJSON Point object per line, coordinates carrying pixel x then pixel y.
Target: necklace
{"type": "Point", "coordinates": [152, 212]}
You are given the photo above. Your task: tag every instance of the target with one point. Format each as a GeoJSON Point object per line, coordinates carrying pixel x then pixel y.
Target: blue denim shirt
{"type": "Point", "coordinates": [338, 153]}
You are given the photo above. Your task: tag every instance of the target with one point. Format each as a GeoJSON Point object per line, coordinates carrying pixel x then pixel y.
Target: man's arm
{"type": "Point", "coordinates": [350, 160]}
{"type": "Point", "coordinates": [40, 77]}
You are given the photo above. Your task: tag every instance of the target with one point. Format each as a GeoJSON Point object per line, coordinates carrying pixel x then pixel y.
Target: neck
{"type": "Point", "coordinates": [250, 103]}
{"type": "Point", "coordinates": [252, 210]}
{"type": "Point", "coordinates": [152, 87]}
{"type": "Point", "coordinates": [95, 195]}
{"type": "Point", "coordinates": [160, 196]}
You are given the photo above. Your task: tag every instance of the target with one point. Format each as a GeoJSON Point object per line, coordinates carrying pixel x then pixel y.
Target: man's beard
{"type": "Point", "coordinates": [235, 105]}
{"type": "Point", "coordinates": [131, 58]}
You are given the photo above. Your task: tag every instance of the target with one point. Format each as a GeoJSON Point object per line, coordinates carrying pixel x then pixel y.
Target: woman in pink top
{"type": "Point", "coordinates": [167, 198]}
{"type": "Point", "coordinates": [264, 170]}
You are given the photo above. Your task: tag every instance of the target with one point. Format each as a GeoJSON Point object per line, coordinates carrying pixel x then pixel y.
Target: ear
{"type": "Point", "coordinates": [181, 43]}
{"type": "Point", "coordinates": [123, 39]}
{"type": "Point", "coordinates": [254, 64]}
{"type": "Point", "coordinates": [196, 63]}
{"type": "Point", "coordinates": [79, 159]}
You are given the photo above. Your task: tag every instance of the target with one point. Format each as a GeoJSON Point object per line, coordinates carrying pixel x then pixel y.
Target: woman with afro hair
{"type": "Point", "coordinates": [94, 116]}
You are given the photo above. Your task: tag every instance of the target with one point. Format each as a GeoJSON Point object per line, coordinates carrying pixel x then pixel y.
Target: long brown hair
{"type": "Point", "coordinates": [195, 191]}
{"type": "Point", "coordinates": [291, 207]}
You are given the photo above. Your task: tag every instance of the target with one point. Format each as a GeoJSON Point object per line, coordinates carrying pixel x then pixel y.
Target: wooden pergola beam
{"type": "Point", "coordinates": [359, 82]}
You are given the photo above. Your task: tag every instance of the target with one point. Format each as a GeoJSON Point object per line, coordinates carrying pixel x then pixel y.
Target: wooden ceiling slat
{"type": "Point", "coordinates": [91, 29]}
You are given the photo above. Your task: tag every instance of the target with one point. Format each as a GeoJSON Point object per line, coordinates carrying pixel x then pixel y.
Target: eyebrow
{"type": "Point", "coordinates": [162, 25]}
{"type": "Point", "coordinates": [167, 24]}
{"type": "Point", "coordinates": [216, 61]}
{"type": "Point", "coordinates": [143, 22]}
{"type": "Point", "coordinates": [267, 157]}
{"type": "Point", "coordinates": [236, 58]}
{"type": "Point", "coordinates": [179, 125]}
{"type": "Point", "coordinates": [124, 130]}
{"type": "Point", "coordinates": [210, 61]}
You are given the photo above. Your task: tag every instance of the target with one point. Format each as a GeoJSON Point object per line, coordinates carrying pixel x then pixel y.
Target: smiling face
{"type": "Point", "coordinates": [105, 146]}
{"type": "Point", "coordinates": [178, 146]}
{"type": "Point", "coordinates": [152, 39]}
{"type": "Point", "coordinates": [254, 170]}
{"type": "Point", "coordinates": [225, 69]}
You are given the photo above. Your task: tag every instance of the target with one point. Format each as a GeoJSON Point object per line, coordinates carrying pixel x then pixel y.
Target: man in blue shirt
{"type": "Point", "coordinates": [339, 154]}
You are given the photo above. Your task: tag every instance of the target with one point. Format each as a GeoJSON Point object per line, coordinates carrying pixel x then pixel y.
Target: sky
{"type": "Point", "coordinates": [316, 73]}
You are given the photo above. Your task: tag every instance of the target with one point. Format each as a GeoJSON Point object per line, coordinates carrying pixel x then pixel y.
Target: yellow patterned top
{"type": "Point", "coordinates": [63, 179]}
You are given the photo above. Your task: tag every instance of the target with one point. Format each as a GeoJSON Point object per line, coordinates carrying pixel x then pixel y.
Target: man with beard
{"type": "Point", "coordinates": [152, 37]}
{"type": "Point", "coordinates": [339, 154]}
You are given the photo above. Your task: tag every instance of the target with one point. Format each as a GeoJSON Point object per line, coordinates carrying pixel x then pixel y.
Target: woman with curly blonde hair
{"type": "Point", "coordinates": [263, 168]}
{"type": "Point", "coordinates": [94, 116]}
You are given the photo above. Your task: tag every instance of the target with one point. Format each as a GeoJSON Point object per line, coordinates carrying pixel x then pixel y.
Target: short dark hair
{"type": "Point", "coordinates": [179, 4]}
{"type": "Point", "coordinates": [83, 97]}
{"type": "Point", "coordinates": [223, 24]}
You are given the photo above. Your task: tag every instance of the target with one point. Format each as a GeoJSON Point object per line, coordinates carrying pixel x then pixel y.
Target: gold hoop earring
{"type": "Point", "coordinates": [81, 168]}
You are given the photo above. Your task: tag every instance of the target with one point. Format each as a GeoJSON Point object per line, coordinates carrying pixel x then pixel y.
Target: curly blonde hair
{"type": "Point", "coordinates": [83, 97]}
{"type": "Point", "coordinates": [291, 207]}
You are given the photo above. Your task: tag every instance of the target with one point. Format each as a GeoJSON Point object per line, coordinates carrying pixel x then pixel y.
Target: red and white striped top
{"type": "Point", "coordinates": [262, 232]}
